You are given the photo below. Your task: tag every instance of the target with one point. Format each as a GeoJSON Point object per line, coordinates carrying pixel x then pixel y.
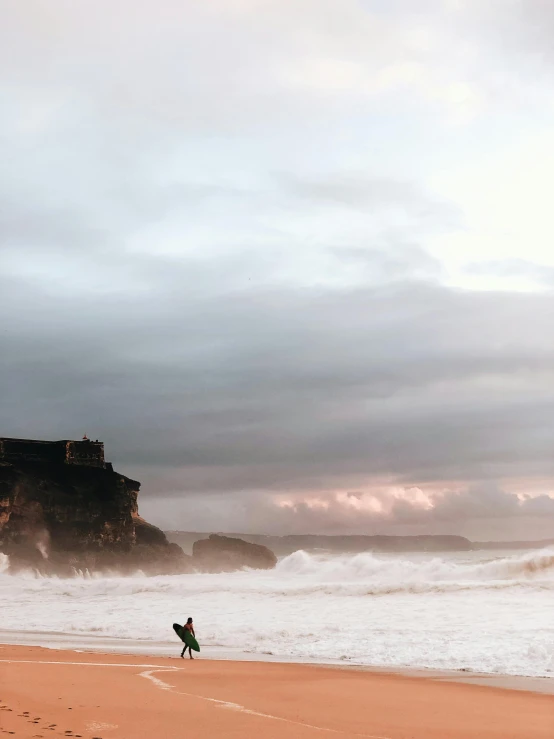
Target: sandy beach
{"type": "Point", "coordinates": [49, 693]}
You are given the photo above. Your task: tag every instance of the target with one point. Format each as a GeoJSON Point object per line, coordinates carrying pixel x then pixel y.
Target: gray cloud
{"type": "Point", "coordinates": [520, 268]}
{"type": "Point", "coordinates": [359, 191]}
{"type": "Point", "coordinates": [214, 254]}
{"type": "Point", "coordinates": [415, 381]}
{"type": "Point", "coordinates": [478, 512]}
{"type": "Point", "coordinates": [398, 262]}
{"type": "Point", "coordinates": [236, 65]}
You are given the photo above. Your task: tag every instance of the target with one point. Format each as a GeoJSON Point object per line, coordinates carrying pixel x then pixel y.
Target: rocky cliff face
{"type": "Point", "coordinates": [59, 517]}
{"type": "Point", "coordinates": [225, 554]}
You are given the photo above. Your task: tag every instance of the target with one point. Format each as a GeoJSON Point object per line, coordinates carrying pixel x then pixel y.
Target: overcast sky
{"type": "Point", "coordinates": [292, 260]}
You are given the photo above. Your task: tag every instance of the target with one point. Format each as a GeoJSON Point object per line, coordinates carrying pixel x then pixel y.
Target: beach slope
{"type": "Point", "coordinates": [51, 693]}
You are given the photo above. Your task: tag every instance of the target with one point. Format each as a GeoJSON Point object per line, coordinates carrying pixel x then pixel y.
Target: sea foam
{"type": "Point", "coordinates": [472, 610]}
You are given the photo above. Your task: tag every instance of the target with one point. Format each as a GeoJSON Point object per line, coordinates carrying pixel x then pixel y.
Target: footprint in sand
{"type": "Point", "coordinates": [97, 726]}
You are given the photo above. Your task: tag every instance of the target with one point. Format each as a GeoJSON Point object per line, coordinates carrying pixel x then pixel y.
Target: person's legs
{"type": "Point", "coordinates": [183, 652]}
{"type": "Point", "coordinates": [190, 653]}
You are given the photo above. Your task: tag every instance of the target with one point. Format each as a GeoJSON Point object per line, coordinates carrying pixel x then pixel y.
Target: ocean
{"type": "Point", "coordinates": [474, 611]}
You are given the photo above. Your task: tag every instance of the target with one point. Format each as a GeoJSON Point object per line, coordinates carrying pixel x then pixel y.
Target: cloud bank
{"type": "Point", "coordinates": [290, 261]}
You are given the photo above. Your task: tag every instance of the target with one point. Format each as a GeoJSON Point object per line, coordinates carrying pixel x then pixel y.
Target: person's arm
{"type": "Point", "coordinates": [192, 629]}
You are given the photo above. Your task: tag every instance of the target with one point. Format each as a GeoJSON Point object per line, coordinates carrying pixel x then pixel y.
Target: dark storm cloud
{"type": "Point", "coordinates": [274, 387]}
{"type": "Point", "coordinates": [214, 255]}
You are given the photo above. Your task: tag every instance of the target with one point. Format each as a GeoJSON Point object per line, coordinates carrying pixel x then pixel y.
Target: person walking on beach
{"type": "Point", "coordinates": [189, 626]}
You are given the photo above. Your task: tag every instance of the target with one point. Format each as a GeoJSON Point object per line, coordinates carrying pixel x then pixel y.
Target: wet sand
{"type": "Point", "coordinates": [53, 693]}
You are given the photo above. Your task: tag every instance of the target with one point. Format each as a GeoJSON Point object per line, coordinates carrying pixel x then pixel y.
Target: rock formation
{"type": "Point", "coordinates": [339, 544]}
{"type": "Point", "coordinates": [225, 554]}
{"type": "Point", "coordinates": [70, 512]}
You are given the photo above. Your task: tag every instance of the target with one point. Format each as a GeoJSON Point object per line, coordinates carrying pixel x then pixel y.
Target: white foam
{"type": "Point", "coordinates": [402, 572]}
{"type": "Point", "coordinates": [475, 611]}
{"type": "Point", "coordinates": [4, 563]}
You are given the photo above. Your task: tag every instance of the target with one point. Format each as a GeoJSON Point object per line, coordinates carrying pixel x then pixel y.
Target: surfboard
{"type": "Point", "coordinates": [186, 637]}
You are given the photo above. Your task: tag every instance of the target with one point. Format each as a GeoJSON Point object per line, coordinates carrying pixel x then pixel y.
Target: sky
{"type": "Point", "coordinates": [291, 260]}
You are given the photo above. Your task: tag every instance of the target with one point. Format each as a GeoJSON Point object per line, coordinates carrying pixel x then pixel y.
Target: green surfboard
{"type": "Point", "coordinates": [185, 636]}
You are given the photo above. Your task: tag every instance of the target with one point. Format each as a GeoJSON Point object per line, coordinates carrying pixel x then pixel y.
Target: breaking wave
{"type": "Point", "coordinates": [469, 610]}
{"type": "Point", "coordinates": [404, 570]}
{"type": "Point", "coordinates": [302, 573]}
{"type": "Point", "coordinates": [4, 563]}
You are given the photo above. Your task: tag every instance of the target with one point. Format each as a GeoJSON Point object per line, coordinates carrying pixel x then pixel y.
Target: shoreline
{"type": "Point", "coordinates": [54, 693]}
{"type": "Point", "coordinates": [86, 644]}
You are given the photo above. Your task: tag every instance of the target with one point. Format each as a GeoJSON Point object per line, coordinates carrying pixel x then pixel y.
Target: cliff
{"type": "Point", "coordinates": [60, 517]}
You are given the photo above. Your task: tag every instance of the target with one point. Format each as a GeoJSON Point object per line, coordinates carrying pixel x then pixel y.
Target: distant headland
{"type": "Point", "coordinates": [356, 543]}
